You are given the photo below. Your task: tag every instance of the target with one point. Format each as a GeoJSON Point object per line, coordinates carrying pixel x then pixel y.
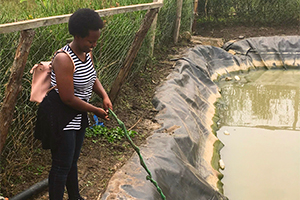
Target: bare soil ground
{"type": "Point", "coordinates": [100, 159]}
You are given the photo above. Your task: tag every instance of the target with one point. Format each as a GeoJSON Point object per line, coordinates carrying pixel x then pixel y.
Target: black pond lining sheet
{"type": "Point", "coordinates": [179, 154]}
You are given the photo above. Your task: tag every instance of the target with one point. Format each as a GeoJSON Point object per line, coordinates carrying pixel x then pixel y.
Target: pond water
{"type": "Point", "coordinates": [259, 128]}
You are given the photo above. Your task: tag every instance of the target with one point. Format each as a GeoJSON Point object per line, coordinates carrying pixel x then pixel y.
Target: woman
{"type": "Point", "coordinates": [75, 78]}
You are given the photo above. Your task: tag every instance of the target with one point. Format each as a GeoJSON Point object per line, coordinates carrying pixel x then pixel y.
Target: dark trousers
{"type": "Point", "coordinates": [64, 166]}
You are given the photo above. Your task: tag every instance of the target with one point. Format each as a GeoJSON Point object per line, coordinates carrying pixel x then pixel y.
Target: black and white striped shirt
{"type": "Point", "coordinates": [83, 79]}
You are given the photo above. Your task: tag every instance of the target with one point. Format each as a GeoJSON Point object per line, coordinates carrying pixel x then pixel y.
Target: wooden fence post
{"type": "Point", "coordinates": [195, 16]}
{"type": "Point", "coordinates": [153, 30]}
{"type": "Point", "coordinates": [14, 85]}
{"type": "Point", "coordinates": [131, 54]}
{"type": "Point", "coordinates": [178, 20]}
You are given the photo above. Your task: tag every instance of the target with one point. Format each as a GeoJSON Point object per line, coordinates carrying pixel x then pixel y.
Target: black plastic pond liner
{"type": "Point", "coordinates": [179, 154]}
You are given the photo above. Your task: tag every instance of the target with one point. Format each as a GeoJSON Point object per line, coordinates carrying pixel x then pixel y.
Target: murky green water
{"type": "Point", "coordinates": [262, 151]}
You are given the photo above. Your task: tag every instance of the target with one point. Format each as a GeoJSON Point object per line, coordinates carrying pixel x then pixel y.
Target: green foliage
{"type": "Point", "coordinates": [249, 12]}
{"type": "Point", "coordinates": [110, 135]}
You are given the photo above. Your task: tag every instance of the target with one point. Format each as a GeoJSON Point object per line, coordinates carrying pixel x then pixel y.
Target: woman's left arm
{"type": "Point", "coordinates": [100, 91]}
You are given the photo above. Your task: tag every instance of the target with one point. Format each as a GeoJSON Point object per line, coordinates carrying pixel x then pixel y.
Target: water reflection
{"type": "Point", "coordinates": [260, 104]}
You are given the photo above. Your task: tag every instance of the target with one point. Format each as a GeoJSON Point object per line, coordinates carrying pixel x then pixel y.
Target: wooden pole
{"type": "Point", "coordinates": [14, 85]}
{"type": "Point", "coordinates": [178, 20]}
{"type": "Point", "coordinates": [139, 37]}
{"type": "Point", "coordinates": [195, 16]}
{"type": "Point", "coordinates": [153, 30]}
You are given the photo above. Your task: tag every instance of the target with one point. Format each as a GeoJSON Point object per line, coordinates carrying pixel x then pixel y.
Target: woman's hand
{"type": "Point", "coordinates": [107, 104]}
{"type": "Point", "coordinates": [101, 113]}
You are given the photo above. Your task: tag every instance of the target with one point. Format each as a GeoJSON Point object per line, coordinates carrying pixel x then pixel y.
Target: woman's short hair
{"type": "Point", "coordinates": [83, 20]}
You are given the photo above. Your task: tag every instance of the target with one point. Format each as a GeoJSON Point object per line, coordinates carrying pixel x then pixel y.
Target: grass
{"type": "Point", "coordinates": [253, 12]}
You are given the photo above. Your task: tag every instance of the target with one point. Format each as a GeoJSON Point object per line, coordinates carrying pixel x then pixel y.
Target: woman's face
{"type": "Point", "coordinates": [87, 43]}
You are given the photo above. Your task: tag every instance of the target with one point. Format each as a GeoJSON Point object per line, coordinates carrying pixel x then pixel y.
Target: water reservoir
{"type": "Point", "coordinates": [260, 131]}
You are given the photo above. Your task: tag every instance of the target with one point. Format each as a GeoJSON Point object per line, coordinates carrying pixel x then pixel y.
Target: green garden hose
{"type": "Point", "coordinates": [149, 177]}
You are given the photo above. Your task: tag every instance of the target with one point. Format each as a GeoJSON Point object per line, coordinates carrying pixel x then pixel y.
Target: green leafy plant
{"type": "Point", "coordinates": [40, 170]}
{"type": "Point", "coordinates": [111, 135]}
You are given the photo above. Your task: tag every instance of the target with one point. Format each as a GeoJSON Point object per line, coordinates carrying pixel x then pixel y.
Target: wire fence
{"type": "Point", "coordinates": [250, 12]}
{"type": "Point", "coordinates": [116, 38]}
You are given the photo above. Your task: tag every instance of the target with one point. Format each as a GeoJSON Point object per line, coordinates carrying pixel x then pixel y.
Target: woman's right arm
{"type": "Point", "coordinates": [64, 70]}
